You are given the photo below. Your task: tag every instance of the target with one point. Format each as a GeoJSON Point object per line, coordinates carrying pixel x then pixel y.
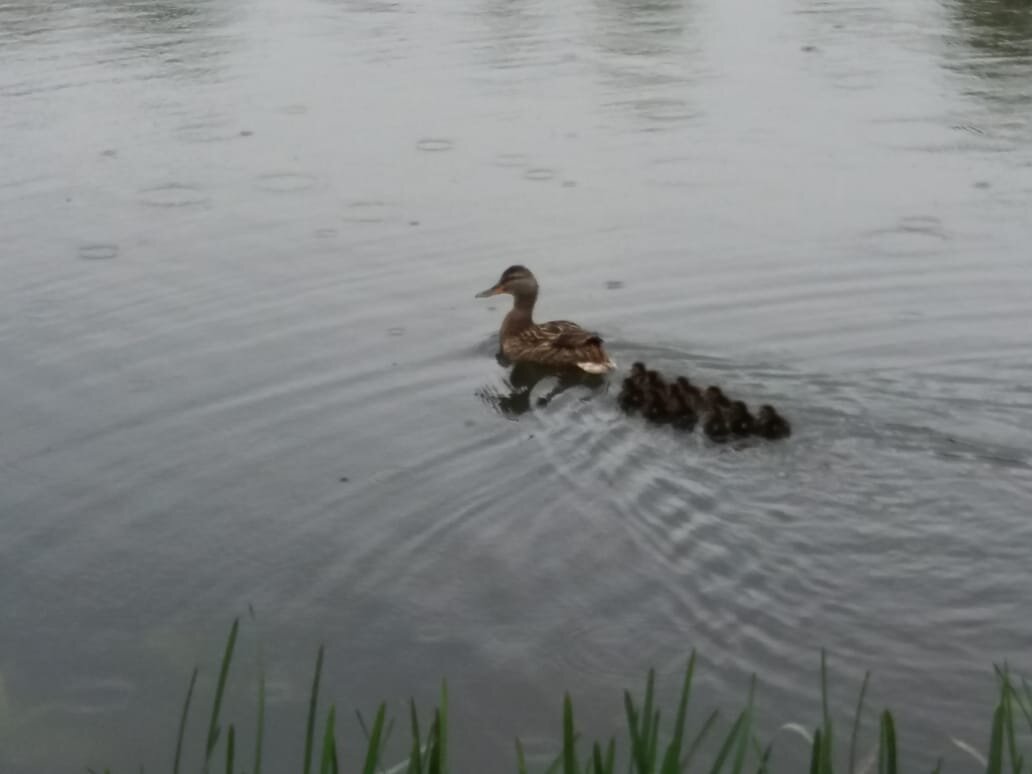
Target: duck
{"type": "Point", "coordinates": [739, 420]}
{"type": "Point", "coordinates": [770, 424]}
{"type": "Point", "coordinates": [556, 343]}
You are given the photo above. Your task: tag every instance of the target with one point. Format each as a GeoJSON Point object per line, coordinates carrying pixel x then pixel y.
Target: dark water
{"type": "Point", "coordinates": [240, 245]}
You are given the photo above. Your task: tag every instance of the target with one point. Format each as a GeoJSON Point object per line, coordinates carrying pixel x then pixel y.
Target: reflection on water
{"type": "Point", "coordinates": [521, 380]}
{"type": "Point", "coordinates": [993, 42]}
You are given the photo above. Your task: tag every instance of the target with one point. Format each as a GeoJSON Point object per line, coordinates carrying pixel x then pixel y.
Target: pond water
{"type": "Point", "coordinates": [243, 364]}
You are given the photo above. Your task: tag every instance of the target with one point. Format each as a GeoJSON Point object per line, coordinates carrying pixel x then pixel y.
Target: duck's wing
{"type": "Point", "coordinates": [568, 335]}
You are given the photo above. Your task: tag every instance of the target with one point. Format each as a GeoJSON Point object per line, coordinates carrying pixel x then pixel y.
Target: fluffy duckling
{"type": "Point", "coordinates": [770, 424]}
{"type": "Point", "coordinates": [656, 407]}
{"type": "Point", "coordinates": [630, 398]}
{"type": "Point", "coordinates": [684, 416]}
{"type": "Point", "coordinates": [714, 396]}
{"type": "Point", "coordinates": [715, 424]}
{"type": "Point", "coordinates": [739, 420]}
{"type": "Point", "coordinates": [692, 395]}
{"type": "Point", "coordinates": [637, 374]}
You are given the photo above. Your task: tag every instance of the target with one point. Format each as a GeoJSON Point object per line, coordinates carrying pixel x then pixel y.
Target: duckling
{"type": "Point", "coordinates": [770, 424]}
{"type": "Point", "coordinates": [654, 381]}
{"type": "Point", "coordinates": [655, 407]}
{"type": "Point", "coordinates": [692, 395]}
{"type": "Point", "coordinates": [715, 396]}
{"type": "Point", "coordinates": [715, 426]}
{"type": "Point", "coordinates": [684, 416]}
{"type": "Point", "coordinates": [739, 420]}
{"type": "Point", "coordinates": [637, 374]}
{"type": "Point", "coordinates": [631, 397]}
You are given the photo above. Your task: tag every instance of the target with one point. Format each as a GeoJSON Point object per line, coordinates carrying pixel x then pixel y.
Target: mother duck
{"type": "Point", "coordinates": [555, 343]}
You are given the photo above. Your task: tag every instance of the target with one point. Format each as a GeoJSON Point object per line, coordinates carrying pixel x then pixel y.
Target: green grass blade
{"type": "Point", "coordinates": [569, 745]}
{"type": "Point", "coordinates": [815, 752]}
{"type": "Point", "coordinates": [744, 733]}
{"type": "Point", "coordinates": [938, 767]}
{"type": "Point", "coordinates": [329, 747]}
{"type": "Point", "coordinates": [638, 751]}
{"type": "Point", "coordinates": [996, 743]}
{"type": "Point", "coordinates": [598, 766]}
{"type": "Point", "coordinates": [213, 725]}
{"type": "Point", "coordinates": [697, 741]}
{"type": "Point", "coordinates": [230, 748]}
{"type": "Point", "coordinates": [826, 737]}
{"type": "Point", "coordinates": [645, 730]}
{"type": "Point", "coordinates": [765, 758]}
{"type": "Point", "coordinates": [416, 756]}
{"type": "Point", "coordinates": [673, 752]}
{"type": "Point", "coordinates": [1008, 723]}
{"type": "Point", "coordinates": [442, 731]}
{"type": "Point", "coordinates": [521, 760]}
{"type": "Point", "coordinates": [373, 752]}
{"type": "Point", "coordinates": [313, 702]}
{"type": "Point", "coordinates": [856, 723]}
{"type": "Point", "coordinates": [610, 757]}
{"type": "Point", "coordinates": [433, 754]}
{"type": "Point", "coordinates": [887, 761]}
{"type": "Point", "coordinates": [729, 740]}
{"type": "Point", "coordinates": [653, 742]}
{"type": "Point", "coordinates": [182, 722]}
{"type": "Point", "coordinates": [259, 732]}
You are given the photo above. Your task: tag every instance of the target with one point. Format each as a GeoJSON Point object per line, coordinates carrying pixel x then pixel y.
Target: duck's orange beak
{"type": "Point", "coordinates": [493, 291]}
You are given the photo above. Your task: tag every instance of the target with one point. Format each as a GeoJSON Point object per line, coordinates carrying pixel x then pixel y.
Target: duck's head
{"type": "Point", "coordinates": [516, 281]}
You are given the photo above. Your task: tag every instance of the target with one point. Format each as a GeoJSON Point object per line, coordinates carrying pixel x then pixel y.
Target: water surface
{"type": "Point", "coordinates": [242, 362]}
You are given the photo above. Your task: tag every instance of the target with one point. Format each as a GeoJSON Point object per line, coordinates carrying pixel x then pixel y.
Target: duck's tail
{"type": "Point", "coordinates": [598, 368]}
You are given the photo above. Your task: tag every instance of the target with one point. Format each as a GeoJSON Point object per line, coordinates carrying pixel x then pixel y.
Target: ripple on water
{"type": "Point", "coordinates": [909, 236]}
{"type": "Point", "coordinates": [435, 144]}
{"type": "Point", "coordinates": [286, 182]}
{"type": "Point", "coordinates": [174, 195]}
{"type": "Point", "coordinates": [540, 173]}
{"type": "Point", "coordinates": [208, 130]}
{"type": "Point", "coordinates": [98, 251]}
{"type": "Point", "coordinates": [365, 211]}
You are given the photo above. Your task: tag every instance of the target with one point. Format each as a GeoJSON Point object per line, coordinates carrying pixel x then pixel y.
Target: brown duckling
{"type": "Point", "coordinates": [631, 397]}
{"type": "Point", "coordinates": [714, 396]}
{"type": "Point", "coordinates": [655, 382]}
{"type": "Point", "coordinates": [692, 394]}
{"type": "Point", "coordinates": [656, 406]}
{"type": "Point", "coordinates": [715, 424]}
{"type": "Point", "coordinates": [684, 416]}
{"type": "Point", "coordinates": [637, 374]}
{"type": "Point", "coordinates": [770, 424]}
{"type": "Point", "coordinates": [739, 420]}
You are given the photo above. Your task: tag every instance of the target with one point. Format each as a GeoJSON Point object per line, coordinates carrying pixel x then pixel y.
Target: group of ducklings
{"type": "Point", "coordinates": [682, 404]}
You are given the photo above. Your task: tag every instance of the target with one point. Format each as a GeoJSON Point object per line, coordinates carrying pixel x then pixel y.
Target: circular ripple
{"type": "Point", "coordinates": [286, 182]}
{"type": "Point", "coordinates": [295, 110]}
{"type": "Point", "coordinates": [208, 131]}
{"type": "Point", "coordinates": [173, 195]}
{"type": "Point", "coordinates": [539, 173]}
{"type": "Point", "coordinates": [98, 251]}
{"type": "Point", "coordinates": [435, 144]}
{"type": "Point", "coordinates": [363, 211]}
{"type": "Point", "coordinates": [326, 233]}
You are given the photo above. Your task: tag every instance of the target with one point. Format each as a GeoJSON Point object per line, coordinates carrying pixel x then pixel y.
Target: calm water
{"type": "Point", "coordinates": [240, 243]}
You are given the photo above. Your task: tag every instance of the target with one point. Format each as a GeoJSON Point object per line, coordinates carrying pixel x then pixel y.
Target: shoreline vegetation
{"type": "Point", "coordinates": [646, 746]}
